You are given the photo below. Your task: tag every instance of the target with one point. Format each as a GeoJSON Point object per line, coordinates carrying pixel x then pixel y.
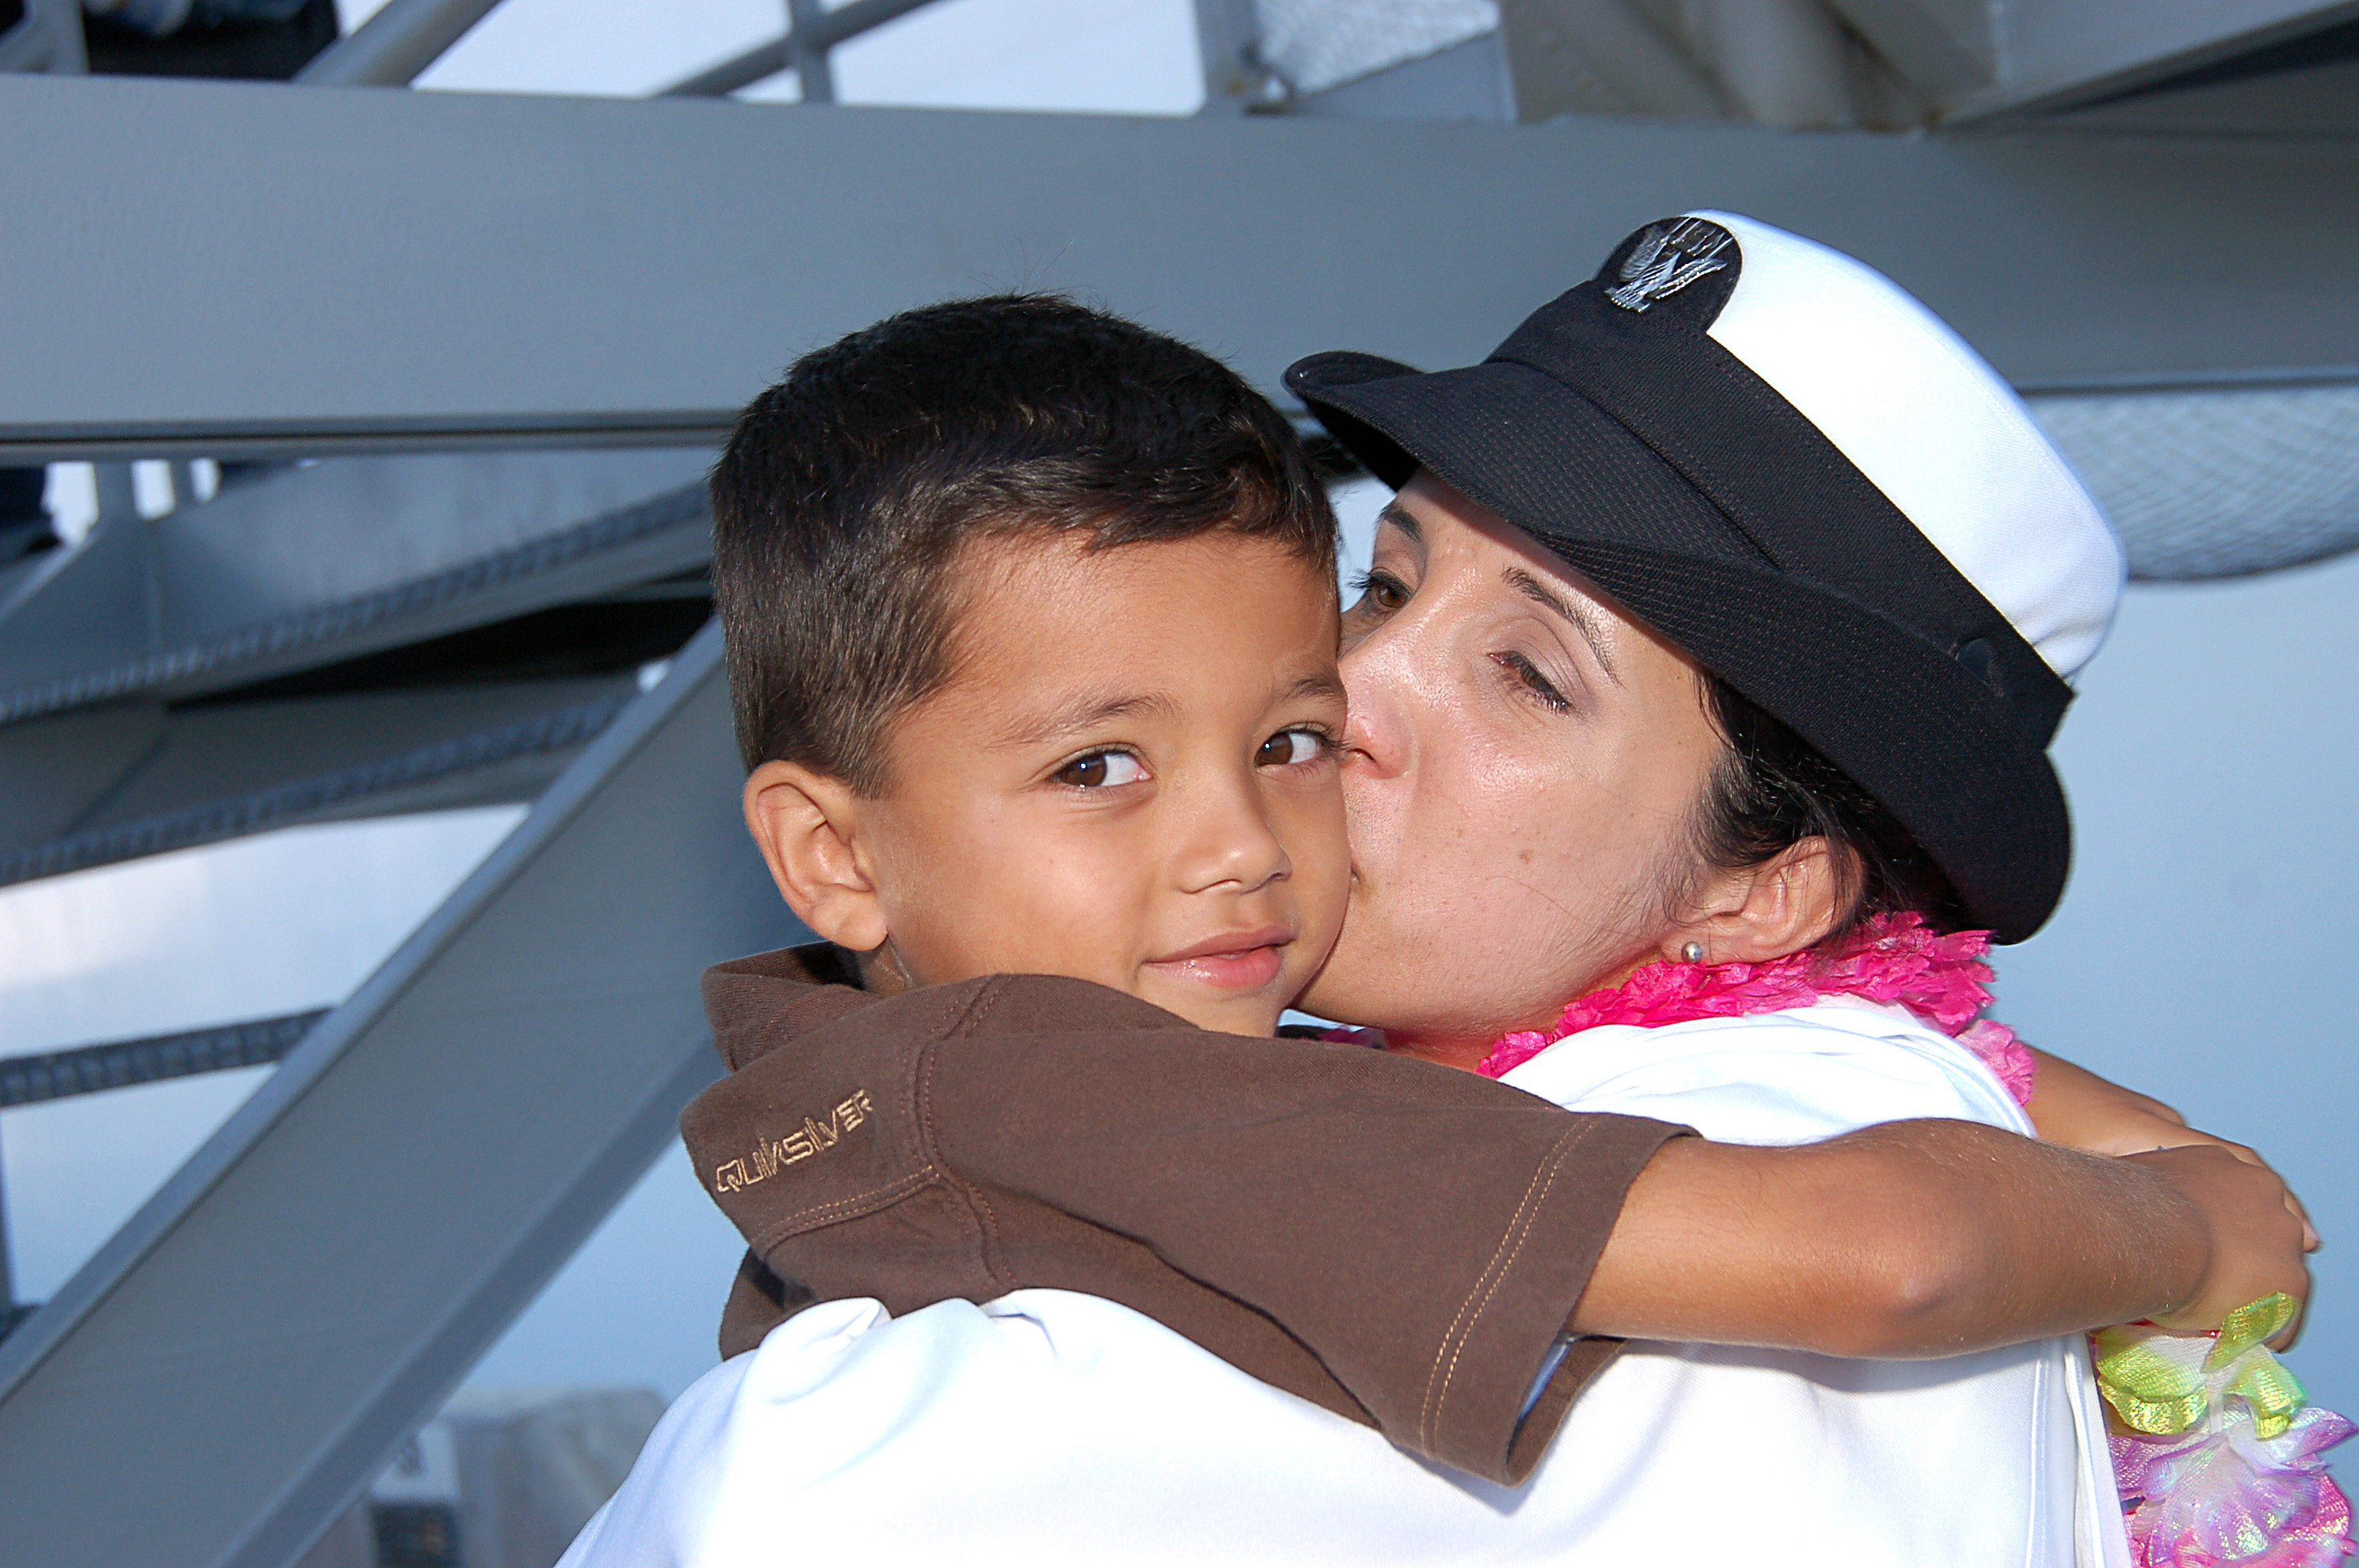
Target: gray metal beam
{"type": "Point", "coordinates": [393, 47]}
{"type": "Point", "coordinates": [226, 1375]}
{"type": "Point", "coordinates": [759, 63]}
{"type": "Point", "coordinates": [102, 757]}
{"type": "Point", "coordinates": [121, 1064]}
{"type": "Point", "coordinates": [1466, 81]}
{"type": "Point", "coordinates": [1945, 49]}
{"type": "Point", "coordinates": [2057, 53]}
{"type": "Point", "coordinates": [1228, 41]}
{"type": "Point", "coordinates": [1588, 57]}
{"type": "Point", "coordinates": [813, 76]}
{"type": "Point", "coordinates": [2318, 98]}
{"type": "Point", "coordinates": [553, 270]}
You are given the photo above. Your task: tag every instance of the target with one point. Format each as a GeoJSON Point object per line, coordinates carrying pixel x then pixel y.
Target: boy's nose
{"type": "Point", "coordinates": [1229, 841]}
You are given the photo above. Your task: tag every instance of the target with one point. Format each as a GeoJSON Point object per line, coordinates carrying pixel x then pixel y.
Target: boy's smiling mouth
{"type": "Point", "coordinates": [1232, 960]}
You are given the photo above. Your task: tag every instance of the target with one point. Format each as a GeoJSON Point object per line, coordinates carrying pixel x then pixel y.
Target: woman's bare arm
{"type": "Point", "coordinates": [2074, 1106]}
{"type": "Point", "coordinates": [1924, 1238]}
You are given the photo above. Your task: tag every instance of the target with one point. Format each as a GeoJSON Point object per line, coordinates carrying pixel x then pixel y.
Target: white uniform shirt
{"type": "Point", "coordinates": [1048, 1427]}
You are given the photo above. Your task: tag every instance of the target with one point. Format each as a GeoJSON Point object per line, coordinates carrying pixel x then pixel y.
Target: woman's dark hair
{"type": "Point", "coordinates": [1772, 789]}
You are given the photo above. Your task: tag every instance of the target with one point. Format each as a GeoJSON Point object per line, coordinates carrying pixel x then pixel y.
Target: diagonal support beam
{"type": "Point", "coordinates": [252, 1345]}
{"type": "Point", "coordinates": [816, 31]}
{"type": "Point", "coordinates": [393, 46]}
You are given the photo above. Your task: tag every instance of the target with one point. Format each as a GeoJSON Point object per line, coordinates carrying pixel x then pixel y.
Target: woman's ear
{"type": "Point", "coordinates": [1782, 905]}
{"type": "Point", "coordinates": [809, 827]}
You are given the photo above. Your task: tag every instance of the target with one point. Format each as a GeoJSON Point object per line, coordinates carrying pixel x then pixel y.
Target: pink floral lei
{"type": "Point", "coordinates": [1890, 958]}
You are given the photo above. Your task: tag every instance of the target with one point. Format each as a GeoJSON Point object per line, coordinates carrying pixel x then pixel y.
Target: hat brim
{"type": "Point", "coordinates": [1901, 717]}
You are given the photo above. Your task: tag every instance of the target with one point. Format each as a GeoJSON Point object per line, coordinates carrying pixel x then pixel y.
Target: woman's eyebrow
{"type": "Point", "coordinates": [1577, 615]}
{"type": "Point", "coordinates": [1397, 515]}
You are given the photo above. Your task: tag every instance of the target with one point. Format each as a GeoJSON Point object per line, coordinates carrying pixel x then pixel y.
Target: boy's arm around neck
{"type": "Point", "coordinates": [1925, 1238]}
{"type": "Point", "coordinates": [1397, 1243]}
{"type": "Point", "coordinates": [1319, 1215]}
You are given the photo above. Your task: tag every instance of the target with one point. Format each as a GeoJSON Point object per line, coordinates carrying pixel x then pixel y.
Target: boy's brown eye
{"type": "Point", "coordinates": [1100, 768]}
{"type": "Point", "coordinates": [1288, 746]}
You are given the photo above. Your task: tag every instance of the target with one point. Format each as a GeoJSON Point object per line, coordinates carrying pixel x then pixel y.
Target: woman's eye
{"type": "Point", "coordinates": [1381, 592]}
{"type": "Point", "coordinates": [1528, 675]}
{"type": "Point", "coordinates": [1101, 770]}
{"type": "Point", "coordinates": [1290, 746]}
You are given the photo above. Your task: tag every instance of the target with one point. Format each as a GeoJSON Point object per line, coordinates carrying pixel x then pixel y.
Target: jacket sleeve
{"type": "Point", "coordinates": [1396, 1242]}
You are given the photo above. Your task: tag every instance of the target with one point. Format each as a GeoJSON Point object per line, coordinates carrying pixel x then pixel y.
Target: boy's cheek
{"type": "Point", "coordinates": [1318, 846]}
{"type": "Point", "coordinates": [1035, 906]}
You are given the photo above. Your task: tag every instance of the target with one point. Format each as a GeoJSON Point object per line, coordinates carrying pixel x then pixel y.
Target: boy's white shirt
{"type": "Point", "coordinates": [1052, 1427]}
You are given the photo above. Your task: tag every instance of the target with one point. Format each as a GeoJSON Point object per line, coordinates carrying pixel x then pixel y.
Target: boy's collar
{"type": "Point", "coordinates": [759, 1003]}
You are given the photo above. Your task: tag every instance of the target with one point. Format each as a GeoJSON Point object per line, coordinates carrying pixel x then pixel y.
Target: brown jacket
{"type": "Point", "coordinates": [1395, 1241]}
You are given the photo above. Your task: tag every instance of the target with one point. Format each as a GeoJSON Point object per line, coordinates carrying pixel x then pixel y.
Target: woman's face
{"type": "Point", "coordinates": [1521, 767]}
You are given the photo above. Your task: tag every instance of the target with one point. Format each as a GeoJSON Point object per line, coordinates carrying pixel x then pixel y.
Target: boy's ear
{"type": "Point", "coordinates": [809, 827]}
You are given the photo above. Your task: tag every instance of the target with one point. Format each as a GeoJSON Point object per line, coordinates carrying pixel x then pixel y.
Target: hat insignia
{"type": "Point", "coordinates": [1667, 258]}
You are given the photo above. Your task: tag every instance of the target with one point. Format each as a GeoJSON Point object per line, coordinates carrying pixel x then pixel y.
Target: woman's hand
{"type": "Point", "coordinates": [2073, 1107]}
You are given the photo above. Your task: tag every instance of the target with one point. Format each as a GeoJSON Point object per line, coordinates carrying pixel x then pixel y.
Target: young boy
{"type": "Point", "coordinates": [987, 730]}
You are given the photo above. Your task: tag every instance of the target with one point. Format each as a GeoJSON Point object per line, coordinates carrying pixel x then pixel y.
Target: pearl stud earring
{"type": "Point", "coordinates": [1692, 952]}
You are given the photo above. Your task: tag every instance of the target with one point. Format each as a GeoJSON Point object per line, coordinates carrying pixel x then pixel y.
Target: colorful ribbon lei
{"type": "Point", "coordinates": [2219, 1455]}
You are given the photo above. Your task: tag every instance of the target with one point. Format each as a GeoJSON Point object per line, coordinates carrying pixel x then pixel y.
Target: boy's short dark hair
{"type": "Point", "coordinates": [847, 489]}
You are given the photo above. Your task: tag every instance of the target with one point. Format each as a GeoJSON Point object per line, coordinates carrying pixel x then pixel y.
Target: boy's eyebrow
{"type": "Point", "coordinates": [1577, 615]}
{"type": "Point", "coordinates": [1325, 682]}
{"type": "Point", "coordinates": [1086, 711]}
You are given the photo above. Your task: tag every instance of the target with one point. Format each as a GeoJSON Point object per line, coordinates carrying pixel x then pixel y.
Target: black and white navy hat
{"type": "Point", "coordinates": [1787, 465]}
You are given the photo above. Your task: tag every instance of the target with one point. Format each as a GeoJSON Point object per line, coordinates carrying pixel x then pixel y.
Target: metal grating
{"type": "Point", "coordinates": [2217, 483]}
{"type": "Point", "coordinates": [1319, 44]}
{"type": "Point", "coordinates": [682, 509]}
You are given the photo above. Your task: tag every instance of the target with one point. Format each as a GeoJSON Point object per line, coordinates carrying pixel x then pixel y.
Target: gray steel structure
{"type": "Point", "coordinates": [553, 272]}
{"type": "Point", "coordinates": [365, 276]}
{"type": "Point", "coordinates": [240, 1359]}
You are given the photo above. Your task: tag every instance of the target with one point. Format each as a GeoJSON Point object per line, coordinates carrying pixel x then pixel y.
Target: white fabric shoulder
{"type": "Point", "coordinates": [1997, 1457]}
{"type": "Point", "coordinates": [1046, 1427]}
{"type": "Point", "coordinates": [1779, 1078]}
